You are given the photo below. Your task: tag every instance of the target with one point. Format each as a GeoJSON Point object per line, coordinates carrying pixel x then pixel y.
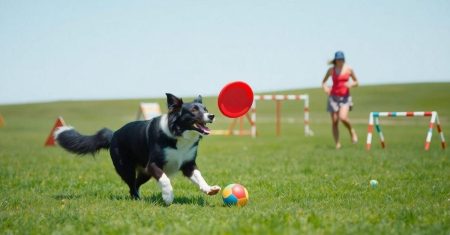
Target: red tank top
{"type": "Point", "coordinates": [340, 80]}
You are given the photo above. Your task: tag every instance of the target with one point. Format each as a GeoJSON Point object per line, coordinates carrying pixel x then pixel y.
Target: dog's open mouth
{"type": "Point", "coordinates": [202, 128]}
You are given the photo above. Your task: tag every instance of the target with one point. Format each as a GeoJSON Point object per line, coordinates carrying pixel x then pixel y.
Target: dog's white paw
{"type": "Point", "coordinates": [166, 189]}
{"type": "Point", "coordinates": [213, 190]}
{"type": "Point", "coordinates": [168, 196]}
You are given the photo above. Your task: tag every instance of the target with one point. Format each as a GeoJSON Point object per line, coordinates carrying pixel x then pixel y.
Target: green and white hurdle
{"type": "Point", "coordinates": [374, 121]}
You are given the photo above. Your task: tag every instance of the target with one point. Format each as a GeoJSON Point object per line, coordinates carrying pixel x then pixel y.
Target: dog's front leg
{"type": "Point", "coordinates": [190, 170]}
{"type": "Point", "coordinates": [198, 179]}
{"type": "Point", "coordinates": [163, 182]}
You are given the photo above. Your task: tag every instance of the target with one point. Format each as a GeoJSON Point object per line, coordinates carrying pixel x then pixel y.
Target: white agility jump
{"type": "Point", "coordinates": [374, 120]}
{"type": "Point", "coordinates": [148, 111]}
{"type": "Point", "coordinates": [252, 116]}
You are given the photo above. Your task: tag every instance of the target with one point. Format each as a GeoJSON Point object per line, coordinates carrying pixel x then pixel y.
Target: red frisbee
{"type": "Point", "coordinates": [235, 99]}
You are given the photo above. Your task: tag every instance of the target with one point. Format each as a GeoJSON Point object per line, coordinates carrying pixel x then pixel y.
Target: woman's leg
{"type": "Point", "coordinates": [335, 128]}
{"type": "Point", "coordinates": [343, 116]}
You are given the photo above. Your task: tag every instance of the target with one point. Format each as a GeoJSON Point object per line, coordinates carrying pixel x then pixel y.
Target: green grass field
{"type": "Point", "coordinates": [297, 184]}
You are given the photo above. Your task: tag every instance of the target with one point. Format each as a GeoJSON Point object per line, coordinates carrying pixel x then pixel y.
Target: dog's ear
{"type": "Point", "coordinates": [198, 99]}
{"type": "Point", "coordinates": [173, 103]}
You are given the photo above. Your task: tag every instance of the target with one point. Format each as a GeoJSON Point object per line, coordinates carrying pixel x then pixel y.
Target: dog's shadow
{"type": "Point", "coordinates": [156, 199]}
{"type": "Point", "coordinates": [66, 196]}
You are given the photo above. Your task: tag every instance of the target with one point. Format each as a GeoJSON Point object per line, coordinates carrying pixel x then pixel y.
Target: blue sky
{"type": "Point", "coordinates": [63, 50]}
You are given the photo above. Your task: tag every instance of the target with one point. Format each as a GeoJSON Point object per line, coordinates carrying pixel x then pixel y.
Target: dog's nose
{"type": "Point", "coordinates": [211, 116]}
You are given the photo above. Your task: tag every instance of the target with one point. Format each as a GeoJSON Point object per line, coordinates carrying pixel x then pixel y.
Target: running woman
{"type": "Point", "coordinates": [339, 99]}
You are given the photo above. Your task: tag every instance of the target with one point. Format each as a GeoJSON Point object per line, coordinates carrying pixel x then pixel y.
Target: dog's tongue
{"type": "Point", "coordinates": [205, 129]}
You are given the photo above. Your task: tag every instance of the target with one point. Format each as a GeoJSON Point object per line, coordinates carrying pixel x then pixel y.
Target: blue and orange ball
{"type": "Point", "coordinates": [235, 195]}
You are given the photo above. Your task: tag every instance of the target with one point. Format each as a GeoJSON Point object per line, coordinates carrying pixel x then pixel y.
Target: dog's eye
{"type": "Point", "coordinates": [194, 109]}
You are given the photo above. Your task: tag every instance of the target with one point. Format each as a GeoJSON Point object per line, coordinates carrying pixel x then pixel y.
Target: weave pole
{"type": "Point", "coordinates": [374, 121]}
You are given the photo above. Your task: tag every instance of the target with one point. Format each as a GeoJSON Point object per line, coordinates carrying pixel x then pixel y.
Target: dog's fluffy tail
{"type": "Point", "coordinates": [72, 141]}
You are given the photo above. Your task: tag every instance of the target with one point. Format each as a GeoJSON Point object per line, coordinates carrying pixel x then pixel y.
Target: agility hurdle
{"type": "Point", "coordinates": [278, 99]}
{"type": "Point", "coordinates": [251, 116]}
{"type": "Point", "coordinates": [231, 129]}
{"type": "Point", "coordinates": [374, 120]}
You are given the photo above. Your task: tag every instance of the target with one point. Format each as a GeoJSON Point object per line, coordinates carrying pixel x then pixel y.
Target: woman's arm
{"type": "Point", "coordinates": [324, 82]}
{"type": "Point", "coordinates": [354, 82]}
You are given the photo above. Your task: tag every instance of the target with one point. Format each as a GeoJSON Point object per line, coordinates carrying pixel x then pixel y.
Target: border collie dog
{"type": "Point", "coordinates": [155, 148]}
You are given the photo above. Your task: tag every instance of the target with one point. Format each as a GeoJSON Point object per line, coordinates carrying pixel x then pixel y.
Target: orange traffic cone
{"type": "Point", "coordinates": [59, 123]}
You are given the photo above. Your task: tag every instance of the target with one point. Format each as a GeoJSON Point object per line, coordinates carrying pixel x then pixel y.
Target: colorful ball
{"type": "Point", "coordinates": [235, 195]}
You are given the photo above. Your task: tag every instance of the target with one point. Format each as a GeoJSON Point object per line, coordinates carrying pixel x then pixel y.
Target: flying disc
{"type": "Point", "coordinates": [235, 99]}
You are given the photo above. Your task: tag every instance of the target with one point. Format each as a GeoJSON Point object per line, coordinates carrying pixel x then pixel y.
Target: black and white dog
{"type": "Point", "coordinates": [155, 148]}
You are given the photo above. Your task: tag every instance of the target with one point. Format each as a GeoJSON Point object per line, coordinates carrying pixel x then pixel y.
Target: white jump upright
{"type": "Point", "coordinates": [374, 120]}
{"type": "Point", "coordinates": [148, 111]}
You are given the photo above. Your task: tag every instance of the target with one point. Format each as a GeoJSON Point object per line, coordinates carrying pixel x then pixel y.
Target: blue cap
{"type": "Point", "coordinates": [339, 55]}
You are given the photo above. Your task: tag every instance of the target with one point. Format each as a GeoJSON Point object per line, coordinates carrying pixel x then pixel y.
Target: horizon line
{"type": "Point", "coordinates": [206, 95]}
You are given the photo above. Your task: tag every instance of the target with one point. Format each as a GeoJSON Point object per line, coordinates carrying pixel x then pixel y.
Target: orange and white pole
{"type": "Point", "coordinates": [440, 132]}
{"type": "Point", "coordinates": [278, 117]}
{"type": "Point", "coordinates": [253, 119]}
{"type": "Point", "coordinates": [369, 132]}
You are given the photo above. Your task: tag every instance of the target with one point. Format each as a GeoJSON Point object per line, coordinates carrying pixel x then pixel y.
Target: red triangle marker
{"type": "Point", "coordinates": [59, 123]}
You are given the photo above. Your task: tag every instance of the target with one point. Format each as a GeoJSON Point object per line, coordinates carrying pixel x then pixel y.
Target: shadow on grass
{"type": "Point", "coordinates": [66, 196]}
{"type": "Point", "coordinates": [156, 199]}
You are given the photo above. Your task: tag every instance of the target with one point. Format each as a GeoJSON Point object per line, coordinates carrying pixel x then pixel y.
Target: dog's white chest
{"type": "Point", "coordinates": [185, 151]}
